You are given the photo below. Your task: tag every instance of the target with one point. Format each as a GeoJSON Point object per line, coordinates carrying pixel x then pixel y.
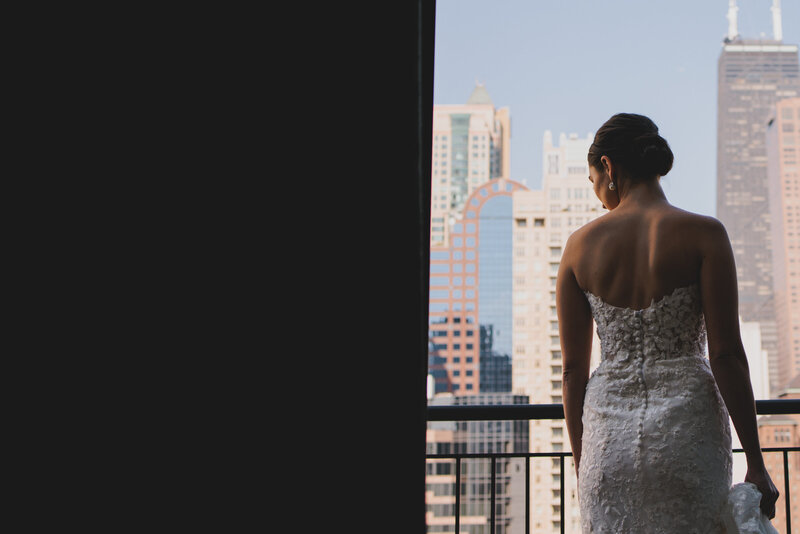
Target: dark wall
{"type": "Point", "coordinates": [384, 97]}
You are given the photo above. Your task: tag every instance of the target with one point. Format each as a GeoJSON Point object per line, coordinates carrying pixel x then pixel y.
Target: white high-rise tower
{"type": "Point", "coordinates": [471, 145]}
{"type": "Point", "coordinates": [543, 220]}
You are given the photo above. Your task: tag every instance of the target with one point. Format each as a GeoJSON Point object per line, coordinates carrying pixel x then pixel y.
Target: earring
{"type": "Point", "coordinates": [611, 186]}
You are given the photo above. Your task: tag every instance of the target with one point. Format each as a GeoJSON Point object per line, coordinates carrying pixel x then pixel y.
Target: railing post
{"type": "Point", "coordinates": [494, 467]}
{"type": "Point", "coordinates": [786, 491]}
{"type": "Point", "coordinates": [458, 494]}
{"type": "Point", "coordinates": [527, 495]}
{"type": "Point", "coordinates": [563, 527]}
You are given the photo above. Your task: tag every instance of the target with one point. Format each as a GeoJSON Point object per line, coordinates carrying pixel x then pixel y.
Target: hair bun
{"type": "Point", "coordinates": [631, 142]}
{"type": "Point", "coordinates": [655, 155]}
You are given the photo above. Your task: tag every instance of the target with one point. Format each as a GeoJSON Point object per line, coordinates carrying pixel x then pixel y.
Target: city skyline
{"type": "Point", "coordinates": [500, 219]}
{"type": "Point", "coordinates": [568, 67]}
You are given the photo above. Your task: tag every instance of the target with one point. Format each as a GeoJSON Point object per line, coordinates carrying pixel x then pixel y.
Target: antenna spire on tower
{"type": "Point", "coordinates": [777, 28]}
{"type": "Point", "coordinates": [733, 24]}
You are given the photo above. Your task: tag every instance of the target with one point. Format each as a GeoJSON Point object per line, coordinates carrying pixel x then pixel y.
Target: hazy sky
{"type": "Point", "coordinates": [569, 65]}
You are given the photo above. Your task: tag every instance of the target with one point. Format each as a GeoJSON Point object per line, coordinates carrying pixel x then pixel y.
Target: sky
{"type": "Point", "coordinates": [568, 65]}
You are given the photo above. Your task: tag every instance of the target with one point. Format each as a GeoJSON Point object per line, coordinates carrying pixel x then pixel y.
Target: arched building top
{"type": "Point", "coordinates": [490, 189]}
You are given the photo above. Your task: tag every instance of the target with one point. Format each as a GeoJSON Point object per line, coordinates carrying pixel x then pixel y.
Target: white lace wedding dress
{"type": "Point", "coordinates": [656, 455]}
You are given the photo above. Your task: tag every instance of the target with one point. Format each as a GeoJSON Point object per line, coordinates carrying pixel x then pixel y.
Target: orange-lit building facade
{"type": "Point", "coordinates": [783, 151]}
{"type": "Point", "coordinates": [783, 431]}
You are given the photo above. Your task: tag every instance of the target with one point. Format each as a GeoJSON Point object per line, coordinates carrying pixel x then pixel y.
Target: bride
{"type": "Point", "coordinates": [649, 428]}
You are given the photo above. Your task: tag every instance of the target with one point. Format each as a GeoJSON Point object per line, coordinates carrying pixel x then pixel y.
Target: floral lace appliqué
{"type": "Point", "coordinates": [656, 448]}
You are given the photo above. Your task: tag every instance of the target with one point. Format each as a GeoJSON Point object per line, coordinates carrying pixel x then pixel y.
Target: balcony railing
{"type": "Point", "coordinates": [556, 411]}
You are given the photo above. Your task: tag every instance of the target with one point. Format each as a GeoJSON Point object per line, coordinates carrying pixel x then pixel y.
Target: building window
{"type": "Point", "coordinates": [552, 163]}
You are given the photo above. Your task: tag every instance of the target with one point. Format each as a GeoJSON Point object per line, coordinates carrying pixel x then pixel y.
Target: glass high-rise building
{"type": "Point", "coordinates": [471, 293]}
{"type": "Point", "coordinates": [752, 76]}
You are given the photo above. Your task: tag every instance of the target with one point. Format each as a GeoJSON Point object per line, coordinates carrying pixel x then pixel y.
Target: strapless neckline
{"type": "Point", "coordinates": [653, 303]}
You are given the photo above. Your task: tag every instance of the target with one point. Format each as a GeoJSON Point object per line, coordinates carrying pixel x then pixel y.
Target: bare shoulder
{"type": "Point", "coordinates": [578, 239]}
{"type": "Point", "coordinates": [705, 228]}
{"type": "Point", "coordinates": [682, 228]}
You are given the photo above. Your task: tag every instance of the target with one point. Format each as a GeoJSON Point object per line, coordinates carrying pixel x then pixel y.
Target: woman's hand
{"type": "Point", "coordinates": [769, 493]}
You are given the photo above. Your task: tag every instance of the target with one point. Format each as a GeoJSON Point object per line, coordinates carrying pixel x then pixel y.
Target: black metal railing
{"type": "Point", "coordinates": [518, 412]}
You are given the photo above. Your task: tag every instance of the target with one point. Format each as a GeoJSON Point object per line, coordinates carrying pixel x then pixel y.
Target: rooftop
{"type": "Point", "coordinates": [480, 95]}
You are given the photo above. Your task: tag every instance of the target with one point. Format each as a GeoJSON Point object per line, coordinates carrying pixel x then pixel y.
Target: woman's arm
{"type": "Point", "coordinates": [575, 332]}
{"type": "Point", "coordinates": [726, 353]}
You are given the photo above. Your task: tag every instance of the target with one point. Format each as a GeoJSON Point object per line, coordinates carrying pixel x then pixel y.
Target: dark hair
{"type": "Point", "coordinates": [632, 142]}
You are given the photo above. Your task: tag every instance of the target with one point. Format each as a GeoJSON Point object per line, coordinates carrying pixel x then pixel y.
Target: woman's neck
{"type": "Point", "coordinates": [641, 194]}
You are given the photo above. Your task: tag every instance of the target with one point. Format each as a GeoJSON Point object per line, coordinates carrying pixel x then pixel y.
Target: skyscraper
{"type": "Point", "coordinates": [471, 145]}
{"type": "Point", "coordinates": [752, 76]}
{"type": "Point", "coordinates": [543, 220]}
{"type": "Point", "coordinates": [471, 293]}
{"type": "Point", "coordinates": [783, 151]}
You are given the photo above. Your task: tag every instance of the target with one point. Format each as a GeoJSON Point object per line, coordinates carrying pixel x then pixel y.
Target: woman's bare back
{"type": "Point", "coordinates": [630, 259]}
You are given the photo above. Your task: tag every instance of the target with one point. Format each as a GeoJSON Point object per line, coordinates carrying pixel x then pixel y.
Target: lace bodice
{"type": "Point", "coordinates": [671, 327]}
{"type": "Point", "coordinates": [656, 447]}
